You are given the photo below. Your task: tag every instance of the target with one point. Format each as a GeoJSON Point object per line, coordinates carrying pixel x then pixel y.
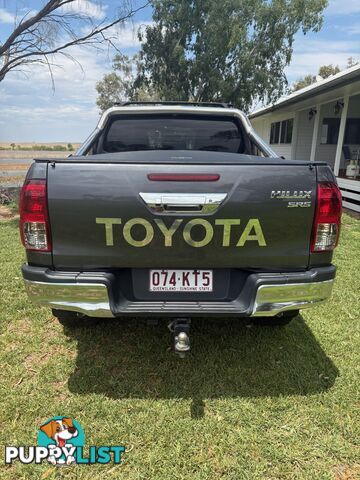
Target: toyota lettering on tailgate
{"type": "Point", "coordinates": [234, 232]}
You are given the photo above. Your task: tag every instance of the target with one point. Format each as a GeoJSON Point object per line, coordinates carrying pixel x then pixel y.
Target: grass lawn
{"type": "Point", "coordinates": [248, 403]}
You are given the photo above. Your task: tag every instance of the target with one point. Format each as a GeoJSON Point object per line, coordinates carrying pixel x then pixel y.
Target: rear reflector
{"type": "Point", "coordinates": [326, 227]}
{"type": "Point", "coordinates": [183, 177]}
{"type": "Point", "coordinates": [34, 218]}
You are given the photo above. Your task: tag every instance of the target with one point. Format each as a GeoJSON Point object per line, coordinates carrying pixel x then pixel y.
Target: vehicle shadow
{"type": "Point", "coordinates": [127, 358]}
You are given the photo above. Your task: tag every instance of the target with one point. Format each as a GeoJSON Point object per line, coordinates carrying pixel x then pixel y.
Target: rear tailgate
{"type": "Point", "coordinates": [91, 203]}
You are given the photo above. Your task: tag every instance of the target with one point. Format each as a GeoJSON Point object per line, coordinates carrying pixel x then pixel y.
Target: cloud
{"type": "Point", "coordinates": [124, 35]}
{"type": "Point", "coordinates": [25, 14]}
{"type": "Point", "coordinates": [310, 55]}
{"type": "Point", "coordinates": [81, 7]}
{"type": "Point", "coordinates": [31, 111]}
{"type": "Point", "coordinates": [54, 123]}
{"type": "Point", "coordinates": [86, 7]}
{"type": "Point", "coordinates": [353, 29]}
{"type": "Point", "coordinates": [341, 7]}
{"type": "Point", "coordinates": [6, 17]}
{"type": "Point", "coordinates": [62, 112]}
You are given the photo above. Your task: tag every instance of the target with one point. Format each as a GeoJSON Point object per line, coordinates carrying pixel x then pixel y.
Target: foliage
{"type": "Point", "coordinates": [351, 62]}
{"type": "Point", "coordinates": [232, 51]}
{"type": "Point", "coordinates": [119, 85]}
{"type": "Point", "coordinates": [116, 87]}
{"type": "Point", "coordinates": [303, 82]}
{"type": "Point", "coordinates": [325, 71]}
{"type": "Point", "coordinates": [46, 148]}
{"type": "Point", "coordinates": [53, 29]}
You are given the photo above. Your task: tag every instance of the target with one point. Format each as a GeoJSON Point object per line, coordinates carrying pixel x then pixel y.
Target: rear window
{"type": "Point", "coordinates": [172, 132]}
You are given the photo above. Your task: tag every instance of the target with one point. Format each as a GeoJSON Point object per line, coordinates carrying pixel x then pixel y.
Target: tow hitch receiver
{"type": "Point", "coordinates": [181, 330]}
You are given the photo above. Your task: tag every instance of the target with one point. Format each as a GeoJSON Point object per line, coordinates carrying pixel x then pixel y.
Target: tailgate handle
{"type": "Point", "coordinates": [183, 202]}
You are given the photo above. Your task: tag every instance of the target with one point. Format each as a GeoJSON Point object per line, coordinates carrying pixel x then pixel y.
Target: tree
{"type": "Point", "coordinates": [116, 87]}
{"type": "Point", "coordinates": [303, 82]}
{"type": "Point", "coordinates": [119, 85]}
{"type": "Point", "coordinates": [56, 27]}
{"type": "Point", "coordinates": [233, 51]}
{"type": "Point", "coordinates": [325, 71]}
{"type": "Point", "coordinates": [351, 62]}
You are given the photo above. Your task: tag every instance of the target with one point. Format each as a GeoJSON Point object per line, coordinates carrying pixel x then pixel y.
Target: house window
{"type": "Point", "coordinates": [281, 132]}
{"type": "Point", "coordinates": [274, 132]}
{"type": "Point", "coordinates": [286, 131]}
{"type": "Point", "coordinates": [330, 131]}
{"type": "Point", "coordinates": [352, 132]}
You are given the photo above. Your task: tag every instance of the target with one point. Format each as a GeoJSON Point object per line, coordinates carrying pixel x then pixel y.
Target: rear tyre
{"type": "Point", "coordinates": [73, 319]}
{"type": "Point", "coordinates": [279, 320]}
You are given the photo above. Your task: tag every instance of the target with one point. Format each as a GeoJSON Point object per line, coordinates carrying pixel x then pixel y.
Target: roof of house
{"type": "Point", "coordinates": [334, 81]}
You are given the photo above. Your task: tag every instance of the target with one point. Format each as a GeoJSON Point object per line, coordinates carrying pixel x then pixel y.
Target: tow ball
{"type": "Point", "coordinates": [180, 327]}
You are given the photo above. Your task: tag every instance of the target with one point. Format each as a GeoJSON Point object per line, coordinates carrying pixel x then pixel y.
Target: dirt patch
{"type": "Point", "coordinates": [347, 472]}
{"type": "Point", "coordinates": [6, 213]}
{"type": "Point", "coordinates": [36, 360]}
{"type": "Point", "coordinates": [11, 179]}
{"type": "Point", "coordinates": [14, 166]}
{"type": "Point", "coordinates": [22, 326]}
{"type": "Point", "coordinates": [31, 154]}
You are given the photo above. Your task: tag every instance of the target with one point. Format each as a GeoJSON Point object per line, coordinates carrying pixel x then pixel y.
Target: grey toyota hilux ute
{"type": "Point", "coordinates": [178, 210]}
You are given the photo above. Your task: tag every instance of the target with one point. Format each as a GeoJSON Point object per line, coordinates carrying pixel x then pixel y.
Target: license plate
{"type": "Point", "coordinates": [181, 280]}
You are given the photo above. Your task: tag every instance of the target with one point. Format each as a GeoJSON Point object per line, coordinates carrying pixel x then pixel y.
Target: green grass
{"type": "Point", "coordinates": [248, 403]}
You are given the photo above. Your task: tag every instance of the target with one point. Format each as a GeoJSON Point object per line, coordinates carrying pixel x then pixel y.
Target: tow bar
{"type": "Point", "coordinates": [180, 327]}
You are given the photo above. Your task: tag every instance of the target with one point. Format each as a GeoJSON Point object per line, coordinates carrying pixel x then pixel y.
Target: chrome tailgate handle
{"type": "Point", "coordinates": [183, 202]}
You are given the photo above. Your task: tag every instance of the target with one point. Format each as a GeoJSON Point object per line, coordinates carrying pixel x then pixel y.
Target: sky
{"type": "Point", "coordinates": [32, 111]}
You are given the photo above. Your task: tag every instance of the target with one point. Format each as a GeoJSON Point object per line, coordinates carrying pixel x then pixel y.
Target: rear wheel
{"type": "Point", "coordinates": [73, 319]}
{"type": "Point", "coordinates": [279, 320]}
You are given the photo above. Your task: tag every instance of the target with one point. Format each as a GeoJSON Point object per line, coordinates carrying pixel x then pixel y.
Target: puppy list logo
{"type": "Point", "coordinates": [61, 442]}
{"type": "Point", "coordinates": [61, 434]}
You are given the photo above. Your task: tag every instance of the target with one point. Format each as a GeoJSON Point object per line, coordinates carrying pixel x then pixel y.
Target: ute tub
{"type": "Point", "coordinates": [99, 294]}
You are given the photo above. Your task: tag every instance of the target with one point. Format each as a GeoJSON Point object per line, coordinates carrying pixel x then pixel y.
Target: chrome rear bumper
{"type": "Point", "coordinates": [89, 298]}
{"type": "Point", "coordinates": [273, 299]}
{"type": "Point", "coordinates": [91, 294]}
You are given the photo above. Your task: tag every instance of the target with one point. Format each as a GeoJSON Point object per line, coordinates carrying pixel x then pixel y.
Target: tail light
{"type": "Point", "coordinates": [326, 227]}
{"type": "Point", "coordinates": [34, 217]}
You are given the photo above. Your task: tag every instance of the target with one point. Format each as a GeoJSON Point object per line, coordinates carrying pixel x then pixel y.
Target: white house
{"type": "Point", "coordinates": [320, 122]}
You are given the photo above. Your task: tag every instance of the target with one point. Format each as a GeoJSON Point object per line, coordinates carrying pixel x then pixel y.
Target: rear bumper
{"type": "Point", "coordinates": [96, 294]}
